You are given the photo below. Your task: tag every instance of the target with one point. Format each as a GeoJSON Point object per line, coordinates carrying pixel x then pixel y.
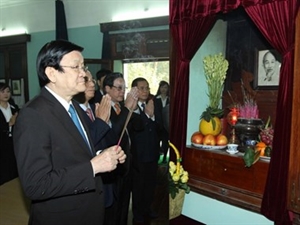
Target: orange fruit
{"type": "Point", "coordinates": [209, 139]}
{"type": "Point", "coordinates": [260, 146]}
{"type": "Point", "coordinates": [207, 127]}
{"type": "Point", "coordinates": [197, 138]}
{"type": "Point", "coordinates": [221, 139]}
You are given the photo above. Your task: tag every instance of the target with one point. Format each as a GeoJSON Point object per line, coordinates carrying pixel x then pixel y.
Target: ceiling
{"type": "Point", "coordinates": [10, 3]}
{"type": "Point", "coordinates": [79, 13]}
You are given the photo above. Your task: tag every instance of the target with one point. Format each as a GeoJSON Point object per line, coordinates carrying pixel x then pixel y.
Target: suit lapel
{"type": "Point", "coordinates": [63, 116]}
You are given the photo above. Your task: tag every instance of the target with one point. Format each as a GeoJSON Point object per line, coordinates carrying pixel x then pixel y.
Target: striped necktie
{"type": "Point", "coordinates": [89, 113]}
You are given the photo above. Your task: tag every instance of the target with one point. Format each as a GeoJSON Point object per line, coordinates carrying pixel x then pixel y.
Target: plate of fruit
{"type": "Point", "coordinates": [209, 141]}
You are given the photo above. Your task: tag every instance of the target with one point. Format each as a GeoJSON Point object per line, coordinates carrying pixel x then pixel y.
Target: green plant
{"type": "Point", "coordinates": [215, 68]}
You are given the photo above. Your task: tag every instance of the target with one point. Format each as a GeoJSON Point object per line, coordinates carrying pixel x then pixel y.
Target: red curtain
{"type": "Point", "coordinates": [276, 21]}
{"type": "Point", "coordinates": [187, 18]}
{"type": "Point", "coordinates": [187, 38]}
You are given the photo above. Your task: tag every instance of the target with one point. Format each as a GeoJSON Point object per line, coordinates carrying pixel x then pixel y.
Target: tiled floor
{"type": "Point", "coordinates": [14, 206]}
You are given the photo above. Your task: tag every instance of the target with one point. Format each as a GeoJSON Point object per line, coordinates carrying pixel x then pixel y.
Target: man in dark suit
{"type": "Point", "coordinates": [114, 86]}
{"type": "Point", "coordinates": [96, 115]}
{"type": "Point", "coordinates": [145, 150]}
{"type": "Point", "coordinates": [58, 166]}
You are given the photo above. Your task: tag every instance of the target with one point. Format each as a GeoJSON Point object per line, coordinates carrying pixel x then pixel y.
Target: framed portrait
{"type": "Point", "coordinates": [267, 69]}
{"type": "Point", "coordinates": [16, 87]}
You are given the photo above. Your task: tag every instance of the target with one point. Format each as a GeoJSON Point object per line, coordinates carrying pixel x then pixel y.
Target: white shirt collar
{"type": "Point", "coordinates": [6, 112]}
{"type": "Point", "coordinates": [62, 101]}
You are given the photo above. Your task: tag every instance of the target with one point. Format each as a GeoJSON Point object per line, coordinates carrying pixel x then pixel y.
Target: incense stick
{"type": "Point", "coordinates": [124, 128]}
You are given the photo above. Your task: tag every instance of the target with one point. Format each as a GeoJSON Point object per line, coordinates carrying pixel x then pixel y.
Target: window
{"type": "Point", "coordinates": [152, 71]}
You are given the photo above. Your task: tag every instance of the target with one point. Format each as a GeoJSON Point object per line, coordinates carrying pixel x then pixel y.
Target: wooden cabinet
{"type": "Point", "coordinates": [224, 177]}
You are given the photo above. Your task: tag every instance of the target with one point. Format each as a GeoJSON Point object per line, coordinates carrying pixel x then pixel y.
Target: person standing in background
{"type": "Point", "coordinates": [114, 86]}
{"type": "Point", "coordinates": [8, 114]}
{"type": "Point", "coordinates": [160, 102]}
{"type": "Point", "coordinates": [145, 151]}
{"type": "Point", "coordinates": [97, 117]}
{"type": "Point", "coordinates": [101, 74]}
{"type": "Point", "coordinates": [57, 163]}
{"type": "Point", "coordinates": [97, 114]}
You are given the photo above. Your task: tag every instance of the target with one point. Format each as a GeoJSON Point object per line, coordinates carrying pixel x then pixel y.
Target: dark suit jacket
{"type": "Point", "coordinates": [144, 136]}
{"type": "Point", "coordinates": [166, 117]}
{"type": "Point", "coordinates": [102, 137]}
{"type": "Point", "coordinates": [97, 97]}
{"type": "Point", "coordinates": [99, 131]}
{"type": "Point", "coordinates": [54, 165]}
{"type": "Point", "coordinates": [118, 122]}
{"type": "Point", "coordinates": [159, 111]}
{"type": "Point", "coordinates": [8, 166]}
{"type": "Point", "coordinates": [4, 126]}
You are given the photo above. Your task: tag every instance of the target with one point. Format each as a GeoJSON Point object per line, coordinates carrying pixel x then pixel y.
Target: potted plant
{"type": "Point", "coordinates": [178, 186]}
{"type": "Point", "coordinates": [215, 68]}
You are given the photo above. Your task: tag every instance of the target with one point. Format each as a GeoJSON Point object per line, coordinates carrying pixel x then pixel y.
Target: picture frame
{"type": "Point", "coordinates": [267, 69]}
{"type": "Point", "coordinates": [16, 87]}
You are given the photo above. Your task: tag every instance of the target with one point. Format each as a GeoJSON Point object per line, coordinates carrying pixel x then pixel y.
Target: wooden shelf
{"type": "Point", "coordinates": [216, 174]}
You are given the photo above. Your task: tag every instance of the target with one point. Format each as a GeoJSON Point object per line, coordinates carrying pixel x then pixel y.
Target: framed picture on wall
{"type": "Point", "coordinates": [267, 69]}
{"type": "Point", "coordinates": [16, 87]}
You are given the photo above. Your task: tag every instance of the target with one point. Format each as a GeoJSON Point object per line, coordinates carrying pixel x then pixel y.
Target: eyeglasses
{"type": "Point", "coordinates": [86, 79]}
{"type": "Point", "coordinates": [78, 68]}
{"type": "Point", "coordinates": [144, 88]}
{"type": "Point", "coordinates": [120, 88]}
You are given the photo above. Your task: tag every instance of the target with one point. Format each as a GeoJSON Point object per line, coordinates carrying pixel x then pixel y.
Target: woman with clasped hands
{"type": "Point", "coordinates": [58, 166]}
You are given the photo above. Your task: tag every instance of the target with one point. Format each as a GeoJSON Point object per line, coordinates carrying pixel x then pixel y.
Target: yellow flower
{"type": "Point", "coordinates": [181, 170]}
{"type": "Point", "coordinates": [184, 179]}
{"type": "Point", "coordinates": [175, 177]}
{"type": "Point", "coordinates": [172, 167]}
{"type": "Point", "coordinates": [178, 177]}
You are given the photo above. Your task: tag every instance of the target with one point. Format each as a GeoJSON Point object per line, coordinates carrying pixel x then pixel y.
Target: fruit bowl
{"type": "Point", "coordinates": [210, 147]}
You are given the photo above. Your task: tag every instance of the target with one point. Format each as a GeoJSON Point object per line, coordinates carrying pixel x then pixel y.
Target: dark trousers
{"type": "Point", "coordinates": [144, 183]}
{"type": "Point", "coordinates": [8, 164]}
{"type": "Point", "coordinates": [117, 213]}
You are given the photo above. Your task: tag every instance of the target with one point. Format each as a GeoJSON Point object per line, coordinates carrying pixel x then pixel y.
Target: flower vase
{"type": "Point", "coordinates": [176, 204]}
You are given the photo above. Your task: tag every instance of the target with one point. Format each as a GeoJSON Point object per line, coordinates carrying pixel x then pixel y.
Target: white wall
{"type": "Point", "coordinates": [214, 43]}
{"type": "Point", "coordinates": [213, 212]}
